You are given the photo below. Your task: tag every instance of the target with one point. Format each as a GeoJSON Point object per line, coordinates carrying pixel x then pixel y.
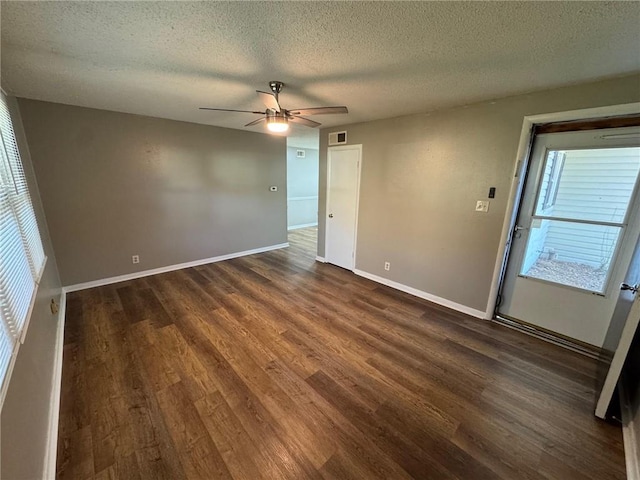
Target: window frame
{"type": "Point", "coordinates": [543, 215]}
{"type": "Point", "coordinates": [551, 194]}
{"type": "Point", "coordinates": [22, 242]}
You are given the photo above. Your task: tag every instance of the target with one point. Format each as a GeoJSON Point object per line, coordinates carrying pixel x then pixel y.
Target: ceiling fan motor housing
{"type": "Point", "coordinates": [276, 86]}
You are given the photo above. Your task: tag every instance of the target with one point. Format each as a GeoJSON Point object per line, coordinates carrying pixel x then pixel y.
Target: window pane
{"type": "Point", "coordinates": [13, 177]}
{"type": "Point", "coordinates": [594, 184]}
{"type": "Point", "coordinates": [17, 285]}
{"type": "Point", "coordinates": [21, 254]}
{"type": "Point", "coordinates": [574, 254]}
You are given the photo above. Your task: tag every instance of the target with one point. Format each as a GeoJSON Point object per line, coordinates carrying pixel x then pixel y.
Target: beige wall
{"type": "Point", "coordinates": [116, 185]}
{"type": "Point", "coordinates": [421, 177]}
{"type": "Point", "coordinates": [25, 414]}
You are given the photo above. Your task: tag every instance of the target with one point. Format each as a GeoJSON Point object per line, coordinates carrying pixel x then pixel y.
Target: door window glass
{"type": "Point", "coordinates": [579, 215]}
{"type": "Point", "coordinates": [595, 184]}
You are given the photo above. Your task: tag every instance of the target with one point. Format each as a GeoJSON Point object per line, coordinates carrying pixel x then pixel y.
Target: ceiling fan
{"type": "Point", "coordinates": [278, 118]}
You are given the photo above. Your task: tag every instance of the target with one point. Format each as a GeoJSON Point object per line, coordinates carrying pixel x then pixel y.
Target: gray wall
{"type": "Point", "coordinates": [116, 185]}
{"type": "Point", "coordinates": [422, 174]}
{"type": "Point", "coordinates": [25, 413]}
{"type": "Point", "coordinates": [302, 187]}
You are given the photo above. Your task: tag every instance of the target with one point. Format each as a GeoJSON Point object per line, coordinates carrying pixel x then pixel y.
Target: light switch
{"type": "Point", "coordinates": [482, 206]}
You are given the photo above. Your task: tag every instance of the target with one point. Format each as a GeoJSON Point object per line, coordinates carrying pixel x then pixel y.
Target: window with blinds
{"type": "Point", "coordinates": [22, 257]}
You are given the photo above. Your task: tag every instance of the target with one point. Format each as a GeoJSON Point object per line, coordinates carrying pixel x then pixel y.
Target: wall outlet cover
{"type": "Point", "coordinates": [482, 206]}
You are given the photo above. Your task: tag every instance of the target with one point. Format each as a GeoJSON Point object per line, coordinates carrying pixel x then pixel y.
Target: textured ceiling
{"type": "Point", "coordinates": [381, 59]}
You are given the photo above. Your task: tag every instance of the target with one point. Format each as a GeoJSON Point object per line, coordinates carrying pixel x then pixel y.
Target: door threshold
{"type": "Point", "coordinates": [548, 336]}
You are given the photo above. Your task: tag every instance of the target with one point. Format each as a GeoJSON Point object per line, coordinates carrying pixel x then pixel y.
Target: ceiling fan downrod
{"type": "Point", "coordinates": [276, 87]}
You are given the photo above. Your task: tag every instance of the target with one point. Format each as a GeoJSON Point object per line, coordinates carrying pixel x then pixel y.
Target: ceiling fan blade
{"type": "Point", "coordinates": [255, 122]}
{"type": "Point", "coordinates": [304, 121]}
{"type": "Point", "coordinates": [319, 111]}
{"type": "Point", "coordinates": [269, 100]}
{"type": "Point", "coordinates": [227, 110]}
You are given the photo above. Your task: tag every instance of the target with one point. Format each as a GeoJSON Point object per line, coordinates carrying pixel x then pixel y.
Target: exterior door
{"type": "Point", "coordinates": [576, 230]}
{"type": "Point", "coordinates": [343, 184]}
{"type": "Point", "coordinates": [623, 326]}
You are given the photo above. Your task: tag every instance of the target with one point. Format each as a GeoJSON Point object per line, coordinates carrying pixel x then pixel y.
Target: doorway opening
{"type": "Point", "coordinates": [302, 190]}
{"type": "Point", "coordinates": [575, 230]}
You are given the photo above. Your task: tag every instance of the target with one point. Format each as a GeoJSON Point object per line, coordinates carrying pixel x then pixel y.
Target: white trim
{"type": "Point", "coordinates": [424, 295]}
{"type": "Point", "coordinates": [321, 259]}
{"type": "Point", "coordinates": [49, 470]}
{"type": "Point", "coordinates": [169, 268]}
{"type": "Point", "coordinates": [302, 225]}
{"type": "Point", "coordinates": [32, 304]}
{"type": "Point", "coordinates": [520, 163]}
{"type": "Point", "coordinates": [629, 433]}
{"type": "Point", "coordinates": [357, 147]}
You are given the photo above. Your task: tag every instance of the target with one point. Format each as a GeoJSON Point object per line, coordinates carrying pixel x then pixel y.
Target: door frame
{"type": "Point", "coordinates": [327, 228]}
{"type": "Point", "coordinates": [520, 171]}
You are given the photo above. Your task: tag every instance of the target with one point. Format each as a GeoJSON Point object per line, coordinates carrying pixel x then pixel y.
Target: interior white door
{"type": "Point", "coordinates": [576, 230]}
{"type": "Point", "coordinates": [343, 184]}
{"type": "Point", "coordinates": [622, 328]}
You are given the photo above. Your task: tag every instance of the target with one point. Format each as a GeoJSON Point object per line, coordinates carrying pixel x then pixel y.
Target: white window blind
{"type": "Point", "coordinates": [22, 257]}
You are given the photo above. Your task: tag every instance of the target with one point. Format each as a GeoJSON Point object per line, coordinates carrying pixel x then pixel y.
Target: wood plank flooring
{"type": "Point", "coordinates": [275, 366]}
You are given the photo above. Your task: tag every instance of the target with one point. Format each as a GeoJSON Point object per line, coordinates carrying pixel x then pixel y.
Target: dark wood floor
{"type": "Point", "coordinates": [275, 366]}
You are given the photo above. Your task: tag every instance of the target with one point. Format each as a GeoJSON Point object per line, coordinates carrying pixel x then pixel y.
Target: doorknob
{"type": "Point", "coordinates": [632, 288]}
{"type": "Point", "coordinates": [331, 215]}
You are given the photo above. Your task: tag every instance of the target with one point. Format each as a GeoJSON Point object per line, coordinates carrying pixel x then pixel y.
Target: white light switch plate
{"type": "Point", "coordinates": [482, 206]}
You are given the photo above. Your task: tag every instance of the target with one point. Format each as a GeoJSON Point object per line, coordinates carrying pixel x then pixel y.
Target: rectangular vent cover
{"type": "Point", "coordinates": [338, 138]}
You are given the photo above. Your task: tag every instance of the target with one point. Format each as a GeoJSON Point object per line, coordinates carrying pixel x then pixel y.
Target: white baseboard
{"type": "Point", "coordinates": [302, 225]}
{"type": "Point", "coordinates": [420, 294]}
{"type": "Point", "coordinates": [49, 470]}
{"type": "Point", "coordinates": [169, 268]}
{"type": "Point", "coordinates": [321, 259]}
{"type": "Point", "coordinates": [630, 433]}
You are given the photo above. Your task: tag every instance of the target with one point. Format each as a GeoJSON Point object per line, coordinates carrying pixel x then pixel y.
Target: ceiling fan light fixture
{"type": "Point", "coordinates": [277, 118]}
{"type": "Point", "coordinates": [277, 124]}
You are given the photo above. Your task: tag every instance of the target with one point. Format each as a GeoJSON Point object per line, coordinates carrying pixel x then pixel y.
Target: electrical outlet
{"type": "Point", "coordinates": [387, 266]}
{"type": "Point", "coordinates": [135, 259]}
{"type": "Point", "coordinates": [482, 206]}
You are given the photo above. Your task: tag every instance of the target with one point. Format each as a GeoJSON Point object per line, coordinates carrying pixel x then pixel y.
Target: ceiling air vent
{"type": "Point", "coordinates": [300, 153]}
{"type": "Point", "coordinates": [338, 138]}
